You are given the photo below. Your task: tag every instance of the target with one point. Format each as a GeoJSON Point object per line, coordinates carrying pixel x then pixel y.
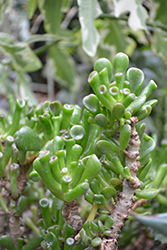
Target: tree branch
{"type": "Point", "coordinates": [126, 198]}
{"type": "Point", "coordinates": [71, 215]}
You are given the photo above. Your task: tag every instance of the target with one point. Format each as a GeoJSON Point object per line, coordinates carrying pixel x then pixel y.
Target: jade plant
{"type": "Point", "coordinates": [70, 176]}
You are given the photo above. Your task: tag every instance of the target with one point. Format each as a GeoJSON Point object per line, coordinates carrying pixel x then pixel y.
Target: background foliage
{"type": "Point", "coordinates": [68, 36]}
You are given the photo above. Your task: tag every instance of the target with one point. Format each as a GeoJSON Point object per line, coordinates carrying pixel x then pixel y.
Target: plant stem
{"type": "Point", "coordinates": [45, 47]}
{"type": "Point", "coordinates": [71, 215]}
{"type": "Point", "coordinates": [14, 226]}
{"type": "Point", "coordinates": [5, 196]}
{"type": "Point", "coordinates": [126, 199]}
{"type": "Point", "coordinates": [93, 212]}
{"type": "Point", "coordinates": [3, 204]}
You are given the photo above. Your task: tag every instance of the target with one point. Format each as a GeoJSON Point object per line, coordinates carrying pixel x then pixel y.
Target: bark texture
{"type": "Point", "coordinates": [126, 198]}
{"type": "Point", "coordinates": [9, 222]}
{"type": "Point", "coordinates": [14, 225]}
{"type": "Point", "coordinates": [71, 215]}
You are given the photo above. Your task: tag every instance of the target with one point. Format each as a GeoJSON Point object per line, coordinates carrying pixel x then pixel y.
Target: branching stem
{"type": "Point", "coordinates": [126, 199]}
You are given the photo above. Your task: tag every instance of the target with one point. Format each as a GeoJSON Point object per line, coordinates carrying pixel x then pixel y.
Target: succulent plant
{"type": "Point", "coordinates": [99, 157]}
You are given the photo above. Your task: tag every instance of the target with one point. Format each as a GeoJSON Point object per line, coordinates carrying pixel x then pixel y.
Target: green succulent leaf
{"type": "Point", "coordinates": [109, 222]}
{"type": "Point", "coordinates": [118, 111]}
{"type": "Point", "coordinates": [101, 64]}
{"type": "Point", "coordinates": [92, 169]}
{"type": "Point", "coordinates": [77, 132]}
{"type": "Point", "coordinates": [28, 140]}
{"type": "Point", "coordinates": [136, 79]}
{"type": "Point", "coordinates": [108, 192]}
{"type": "Point", "coordinates": [96, 242]}
{"type": "Point", "coordinates": [150, 193]}
{"type": "Point", "coordinates": [106, 147]}
{"type": "Point", "coordinates": [147, 146]}
{"type": "Point", "coordinates": [91, 103]}
{"type": "Point", "coordinates": [33, 243]}
{"type": "Point", "coordinates": [7, 242]}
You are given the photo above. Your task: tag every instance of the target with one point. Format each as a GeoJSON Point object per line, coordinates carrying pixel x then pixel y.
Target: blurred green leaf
{"type": "Point", "coordinates": [66, 4]}
{"type": "Point", "coordinates": [157, 223]}
{"type": "Point", "coordinates": [116, 35]}
{"type": "Point", "coordinates": [51, 11]}
{"type": "Point", "coordinates": [26, 93]}
{"type": "Point", "coordinates": [88, 11]}
{"type": "Point", "coordinates": [161, 7]}
{"type": "Point", "coordinates": [159, 43]}
{"type": "Point", "coordinates": [63, 67]}
{"type": "Point", "coordinates": [22, 57]}
{"type": "Point", "coordinates": [4, 5]}
{"type": "Point", "coordinates": [138, 13]}
{"type": "Point", "coordinates": [31, 7]}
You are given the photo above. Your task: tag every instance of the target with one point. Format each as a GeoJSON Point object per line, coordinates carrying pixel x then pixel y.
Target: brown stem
{"type": "Point", "coordinates": [24, 169]}
{"type": "Point", "coordinates": [14, 226]}
{"type": "Point", "coordinates": [14, 221]}
{"type": "Point", "coordinates": [126, 198]}
{"type": "Point", "coordinates": [3, 214]}
{"type": "Point", "coordinates": [139, 203]}
{"type": "Point", "coordinates": [71, 215]}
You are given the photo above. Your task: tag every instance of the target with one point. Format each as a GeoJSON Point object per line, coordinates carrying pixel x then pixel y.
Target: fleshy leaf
{"type": "Point", "coordinates": [28, 140]}
{"type": "Point", "coordinates": [88, 11]}
{"type": "Point", "coordinates": [137, 15]}
{"type": "Point", "coordinates": [77, 132]}
{"type": "Point", "coordinates": [147, 146]}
